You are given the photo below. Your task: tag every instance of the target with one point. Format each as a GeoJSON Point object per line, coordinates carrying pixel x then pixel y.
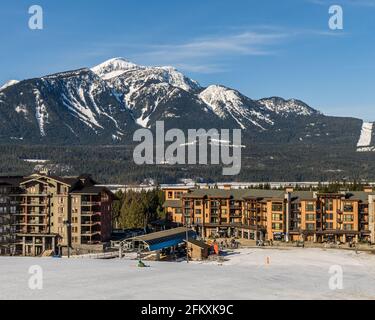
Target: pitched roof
{"type": "Point", "coordinates": [90, 190]}
{"type": "Point", "coordinates": [199, 243]}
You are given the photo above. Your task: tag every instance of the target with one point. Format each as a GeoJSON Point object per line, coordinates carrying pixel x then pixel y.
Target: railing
{"type": "Point", "coordinates": [90, 203]}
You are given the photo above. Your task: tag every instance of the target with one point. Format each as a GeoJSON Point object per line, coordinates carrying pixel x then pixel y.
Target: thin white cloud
{"type": "Point", "coordinates": [211, 54]}
{"type": "Point", "coordinates": [246, 43]}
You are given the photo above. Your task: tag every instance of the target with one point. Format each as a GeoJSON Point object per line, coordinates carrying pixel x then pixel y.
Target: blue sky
{"type": "Point", "coordinates": [262, 48]}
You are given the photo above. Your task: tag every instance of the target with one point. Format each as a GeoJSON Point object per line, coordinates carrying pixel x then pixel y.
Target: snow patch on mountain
{"type": "Point", "coordinates": [287, 107]}
{"type": "Point", "coordinates": [41, 112]}
{"type": "Point", "coordinates": [113, 68]}
{"type": "Point", "coordinates": [364, 142]}
{"type": "Point", "coordinates": [225, 102]}
{"type": "Point", "coordinates": [21, 109]}
{"type": "Point", "coordinates": [366, 134]}
{"type": "Point", "coordinates": [117, 67]}
{"type": "Point", "coordinates": [9, 84]}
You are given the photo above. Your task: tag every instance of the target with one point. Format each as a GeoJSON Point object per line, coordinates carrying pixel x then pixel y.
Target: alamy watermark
{"type": "Point", "coordinates": [336, 280]}
{"type": "Point", "coordinates": [336, 20]}
{"type": "Point", "coordinates": [36, 280]}
{"type": "Point", "coordinates": [183, 150]}
{"type": "Point", "coordinates": [36, 18]}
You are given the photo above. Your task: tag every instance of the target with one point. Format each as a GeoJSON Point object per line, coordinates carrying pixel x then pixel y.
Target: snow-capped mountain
{"type": "Point", "coordinates": [75, 105]}
{"type": "Point", "coordinates": [106, 103]}
{"type": "Point", "coordinates": [143, 89]}
{"type": "Point", "coordinates": [229, 104]}
{"type": "Point", "coordinates": [287, 107]}
{"type": "Point", "coordinates": [8, 84]}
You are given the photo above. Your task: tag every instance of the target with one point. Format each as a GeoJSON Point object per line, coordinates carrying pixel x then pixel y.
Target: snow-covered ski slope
{"type": "Point", "coordinates": [296, 273]}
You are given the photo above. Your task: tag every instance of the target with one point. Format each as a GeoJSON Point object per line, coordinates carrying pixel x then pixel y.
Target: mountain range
{"type": "Point", "coordinates": [104, 105]}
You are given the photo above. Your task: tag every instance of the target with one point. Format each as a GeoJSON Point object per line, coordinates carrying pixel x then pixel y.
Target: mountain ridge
{"type": "Point", "coordinates": [107, 102]}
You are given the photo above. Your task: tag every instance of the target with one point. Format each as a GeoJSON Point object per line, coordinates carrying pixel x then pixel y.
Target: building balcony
{"type": "Point", "coordinates": [90, 213]}
{"type": "Point", "coordinates": [232, 215]}
{"type": "Point", "coordinates": [90, 233]}
{"type": "Point", "coordinates": [90, 223]}
{"type": "Point", "coordinates": [90, 203]}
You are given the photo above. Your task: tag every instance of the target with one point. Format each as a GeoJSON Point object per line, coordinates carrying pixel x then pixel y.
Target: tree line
{"type": "Point", "coordinates": [137, 209]}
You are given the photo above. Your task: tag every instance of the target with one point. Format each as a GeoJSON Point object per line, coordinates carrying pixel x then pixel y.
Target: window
{"type": "Point", "coordinates": [329, 225]}
{"type": "Point", "coordinates": [277, 206]}
{"type": "Point", "coordinates": [170, 195]}
{"type": "Point", "coordinates": [277, 226]}
{"type": "Point", "coordinates": [178, 211]}
{"type": "Point", "coordinates": [329, 216]}
{"type": "Point", "coordinates": [198, 220]}
{"type": "Point", "coordinates": [198, 202]}
{"type": "Point", "coordinates": [348, 227]}
{"type": "Point", "coordinates": [214, 220]}
{"type": "Point", "coordinates": [310, 217]}
{"type": "Point", "coordinates": [310, 226]}
{"type": "Point", "coordinates": [348, 217]}
{"type": "Point", "coordinates": [310, 206]}
{"type": "Point", "coordinates": [223, 202]}
{"type": "Point", "coordinates": [224, 211]}
{"type": "Point", "coordinates": [198, 211]}
{"type": "Point", "coordinates": [214, 203]}
{"type": "Point", "coordinates": [178, 195]}
{"type": "Point", "coordinates": [329, 205]}
{"type": "Point", "coordinates": [348, 207]}
{"type": "Point", "coordinates": [277, 217]}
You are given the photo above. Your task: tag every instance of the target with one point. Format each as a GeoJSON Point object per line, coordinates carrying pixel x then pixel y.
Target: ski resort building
{"type": "Point", "coordinates": [275, 215]}
{"type": "Point", "coordinates": [9, 206]}
{"type": "Point", "coordinates": [49, 214]}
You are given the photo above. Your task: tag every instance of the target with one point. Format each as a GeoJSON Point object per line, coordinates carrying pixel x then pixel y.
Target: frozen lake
{"type": "Point", "coordinates": [249, 274]}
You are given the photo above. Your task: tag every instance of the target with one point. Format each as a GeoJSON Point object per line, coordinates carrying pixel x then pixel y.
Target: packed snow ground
{"type": "Point", "coordinates": [291, 274]}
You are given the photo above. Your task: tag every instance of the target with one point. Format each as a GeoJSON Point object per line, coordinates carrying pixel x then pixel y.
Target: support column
{"type": "Point", "coordinates": [24, 246]}
{"type": "Point", "coordinates": [314, 240]}
{"type": "Point", "coordinates": [344, 238]}
{"type": "Point", "coordinates": [33, 247]}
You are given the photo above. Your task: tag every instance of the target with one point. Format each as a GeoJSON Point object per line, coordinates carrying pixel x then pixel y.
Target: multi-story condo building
{"type": "Point", "coordinates": [275, 215]}
{"type": "Point", "coordinates": [9, 206]}
{"type": "Point", "coordinates": [57, 213]}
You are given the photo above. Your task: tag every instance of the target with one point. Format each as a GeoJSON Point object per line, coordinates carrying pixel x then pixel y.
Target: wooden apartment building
{"type": "Point", "coordinates": [274, 215]}
{"type": "Point", "coordinates": [52, 213]}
